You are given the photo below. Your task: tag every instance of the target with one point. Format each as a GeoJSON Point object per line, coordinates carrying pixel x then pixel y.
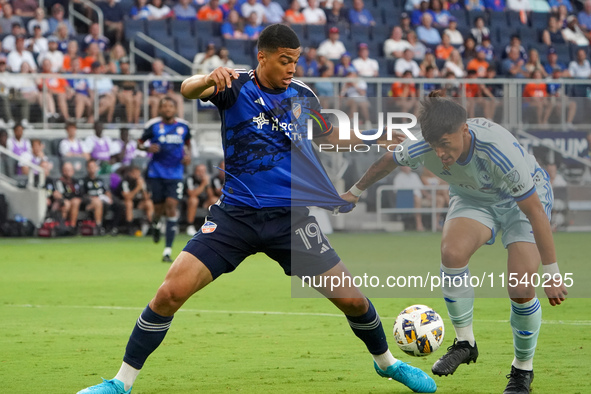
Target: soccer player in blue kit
{"type": "Point", "coordinates": [272, 175]}
{"type": "Point", "coordinates": [494, 185]}
{"type": "Point", "coordinates": [169, 138]}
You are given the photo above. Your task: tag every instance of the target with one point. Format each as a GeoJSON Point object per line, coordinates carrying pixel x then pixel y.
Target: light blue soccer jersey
{"type": "Point", "coordinates": [496, 169]}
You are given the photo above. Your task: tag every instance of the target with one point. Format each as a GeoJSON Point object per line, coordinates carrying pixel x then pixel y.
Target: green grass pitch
{"type": "Point", "coordinates": [67, 307]}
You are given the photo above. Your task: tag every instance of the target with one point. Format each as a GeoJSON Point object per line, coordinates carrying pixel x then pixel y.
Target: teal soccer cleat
{"type": "Point", "coordinates": [413, 378]}
{"type": "Point", "coordinates": [112, 386]}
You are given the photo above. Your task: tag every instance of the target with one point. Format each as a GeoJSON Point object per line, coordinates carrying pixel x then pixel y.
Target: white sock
{"type": "Point", "coordinates": [167, 252]}
{"type": "Point", "coordinates": [127, 374]}
{"type": "Point", "coordinates": [465, 334]}
{"type": "Point", "coordinates": [384, 360]}
{"type": "Point", "coordinates": [527, 365]}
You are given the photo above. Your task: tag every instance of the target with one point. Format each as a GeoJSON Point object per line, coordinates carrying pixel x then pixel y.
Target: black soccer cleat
{"type": "Point", "coordinates": [166, 259]}
{"type": "Point", "coordinates": [519, 381]}
{"type": "Point", "coordinates": [155, 233]}
{"type": "Point", "coordinates": [458, 353]}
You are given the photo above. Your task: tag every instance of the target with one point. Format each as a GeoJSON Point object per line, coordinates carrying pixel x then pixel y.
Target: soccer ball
{"type": "Point", "coordinates": [419, 330]}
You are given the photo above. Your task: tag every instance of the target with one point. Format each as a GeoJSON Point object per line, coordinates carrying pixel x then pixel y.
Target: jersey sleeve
{"type": "Point", "coordinates": [410, 153]}
{"type": "Point", "coordinates": [512, 168]}
{"type": "Point", "coordinates": [226, 98]}
{"type": "Point", "coordinates": [147, 134]}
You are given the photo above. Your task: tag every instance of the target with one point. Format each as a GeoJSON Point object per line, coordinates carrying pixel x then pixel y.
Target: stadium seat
{"type": "Point", "coordinates": [132, 26]}
{"type": "Point", "coordinates": [539, 20]}
{"type": "Point", "coordinates": [203, 41]}
{"type": "Point", "coordinates": [380, 33]}
{"type": "Point", "coordinates": [497, 19]}
{"type": "Point", "coordinates": [300, 30]}
{"type": "Point", "coordinates": [157, 28]}
{"type": "Point", "coordinates": [167, 41]}
{"type": "Point", "coordinates": [529, 35]}
{"type": "Point", "coordinates": [79, 164]}
{"type": "Point", "coordinates": [472, 15]}
{"type": "Point", "coordinates": [53, 146]}
{"type": "Point", "coordinates": [187, 48]}
{"type": "Point", "coordinates": [316, 32]}
{"type": "Point", "coordinates": [182, 29]}
{"type": "Point", "coordinates": [563, 52]}
{"type": "Point", "coordinates": [173, 63]}
{"type": "Point", "coordinates": [360, 33]}
{"type": "Point", "coordinates": [461, 17]}
{"type": "Point", "coordinates": [514, 19]}
{"type": "Point", "coordinates": [235, 47]}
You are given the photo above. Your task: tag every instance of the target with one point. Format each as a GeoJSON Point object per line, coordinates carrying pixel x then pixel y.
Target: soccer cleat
{"type": "Point", "coordinates": [166, 258]}
{"type": "Point", "coordinates": [191, 230]}
{"type": "Point", "coordinates": [413, 378]}
{"type": "Point", "coordinates": [155, 233]}
{"type": "Point", "coordinates": [113, 386]}
{"type": "Point", "coordinates": [458, 353]}
{"type": "Point", "coordinates": [519, 381]}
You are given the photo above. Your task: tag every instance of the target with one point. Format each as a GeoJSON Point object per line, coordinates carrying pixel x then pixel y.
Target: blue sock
{"type": "Point", "coordinates": [526, 320]}
{"type": "Point", "coordinates": [170, 231]}
{"type": "Point", "coordinates": [368, 328]}
{"type": "Point", "coordinates": [149, 331]}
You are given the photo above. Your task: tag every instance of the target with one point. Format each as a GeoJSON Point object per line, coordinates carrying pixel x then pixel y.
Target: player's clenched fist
{"type": "Point", "coordinates": [221, 78]}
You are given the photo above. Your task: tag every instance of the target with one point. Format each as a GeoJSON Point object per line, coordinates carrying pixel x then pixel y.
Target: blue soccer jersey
{"type": "Point", "coordinates": [270, 162]}
{"type": "Point", "coordinates": [166, 163]}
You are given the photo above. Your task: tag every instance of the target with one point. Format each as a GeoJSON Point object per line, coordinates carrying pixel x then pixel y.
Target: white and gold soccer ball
{"type": "Point", "coordinates": [419, 330]}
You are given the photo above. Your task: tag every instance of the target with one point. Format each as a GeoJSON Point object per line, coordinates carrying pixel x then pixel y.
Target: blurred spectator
{"type": "Point", "coordinates": [229, 6]}
{"type": "Point", "coordinates": [251, 6]}
{"type": "Point", "coordinates": [38, 20]}
{"type": "Point", "coordinates": [429, 61]}
{"type": "Point", "coordinates": [71, 54]}
{"type": "Point", "coordinates": [224, 56]}
{"type": "Point", "coordinates": [20, 55]}
{"type": "Point", "coordinates": [513, 66]}
{"type": "Point", "coordinates": [533, 63]}
{"type": "Point", "coordinates": [426, 32]}
{"type": "Point", "coordinates": [96, 196]}
{"type": "Point", "coordinates": [406, 179]}
{"type": "Point", "coordinates": [553, 64]}
{"type": "Point", "coordinates": [157, 10]}
{"type": "Point", "coordinates": [454, 65]}
{"type": "Point", "coordinates": [394, 46]}
{"type": "Point", "coordinates": [211, 12]}
{"type": "Point", "coordinates": [162, 87]}
{"type": "Point", "coordinates": [105, 89]}
{"type": "Point", "coordinates": [516, 42]}
{"type": "Point", "coordinates": [406, 93]}
{"type": "Point", "coordinates": [405, 25]}
{"type": "Point", "coordinates": [252, 29]}
{"type": "Point", "coordinates": [495, 5]}
{"type": "Point", "coordinates": [491, 92]}
{"type": "Point", "coordinates": [332, 47]}
{"type": "Point", "coordinates": [206, 62]}
{"type": "Point", "coordinates": [553, 33]}
{"type": "Point", "coordinates": [441, 196]}
{"type": "Point", "coordinates": [217, 181]}
{"type": "Point", "coordinates": [93, 55]}
{"type": "Point", "coordinates": [72, 146]}
{"type": "Point", "coordinates": [405, 63]}
{"type": "Point", "coordinates": [554, 92]}
{"type": "Point", "coordinates": [313, 14]}
{"type": "Point", "coordinates": [561, 16]}
{"type": "Point", "coordinates": [440, 15]}
{"type": "Point", "coordinates": [17, 144]}
{"type": "Point", "coordinates": [336, 15]}
{"type": "Point", "coordinates": [68, 194]}
{"type": "Point", "coordinates": [125, 149]}
{"type": "Point", "coordinates": [7, 84]}
{"type": "Point", "coordinates": [273, 12]}
{"type": "Point", "coordinates": [293, 14]}
{"type": "Point", "coordinates": [25, 91]}
{"type": "Point", "coordinates": [572, 33]}
{"type": "Point", "coordinates": [479, 63]}
{"type": "Point", "coordinates": [3, 138]}
{"type": "Point", "coordinates": [113, 19]}
{"type": "Point", "coordinates": [454, 5]}
{"type": "Point", "coordinates": [57, 18]}
{"type": "Point", "coordinates": [451, 87]}
{"type": "Point", "coordinates": [355, 92]}
{"type": "Point", "coordinates": [25, 8]}
{"type": "Point", "coordinates": [83, 103]}
{"type": "Point", "coordinates": [63, 37]}
{"type": "Point", "coordinates": [554, 4]}
{"type": "Point", "coordinates": [140, 10]}
{"type": "Point", "coordinates": [199, 195]}
{"type": "Point", "coordinates": [468, 50]}
{"type": "Point", "coordinates": [454, 34]}
{"type": "Point", "coordinates": [184, 11]}
{"type": "Point", "coordinates": [55, 56]}
{"type": "Point", "coordinates": [487, 48]}
{"type": "Point", "coordinates": [519, 5]}
{"type": "Point", "coordinates": [325, 89]}
{"type": "Point", "coordinates": [57, 89]}
{"type": "Point", "coordinates": [8, 18]}
{"type": "Point", "coordinates": [129, 94]}
{"type": "Point", "coordinates": [99, 146]}
{"type": "Point", "coordinates": [36, 156]}
{"type": "Point", "coordinates": [359, 15]}
{"type": "Point", "coordinates": [131, 193]}
{"type": "Point", "coordinates": [417, 15]}
{"type": "Point", "coordinates": [474, 5]}
{"type": "Point", "coordinates": [37, 44]}
{"type": "Point", "coordinates": [94, 36]}
{"type": "Point", "coordinates": [473, 92]}
{"type": "Point", "coordinates": [365, 66]}
{"type": "Point", "coordinates": [479, 30]}
{"type": "Point", "coordinates": [580, 67]}
{"type": "Point", "coordinates": [115, 55]}
{"type": "Point", "coordinates": [412, 5]}
{"type": "Point", "coordinates": [9, 41]}
{"type": "Point", "coordinates": [584, 16]}
{"type": "Point", "coordinates": [342, 69]}
{"type": "Point", "coordinates": [418, 48]}
{"type": "Point", "coordinates": [534, 94]}
{"type": "Point", "coordinates": [444, 49]}
{"type": "Point", "coordinates": [233, 28]}
{"type": "Point", "coordinates": [428, 87]}
{"type": "Point", "coordinates": [307, 65]}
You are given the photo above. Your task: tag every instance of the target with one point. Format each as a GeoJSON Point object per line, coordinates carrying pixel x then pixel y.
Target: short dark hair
{"type": "Point", "coordinates": [165, 99]}
{"type": "Point", "coordinates": [278, 36]}
{"type": "Point", "coordinates": [439, 115]}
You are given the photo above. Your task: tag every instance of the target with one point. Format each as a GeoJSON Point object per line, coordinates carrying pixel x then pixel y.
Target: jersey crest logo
{"type": "Point", "coordinates": [513, 176]}
{"type": "Point", "coordinates": [260, 101]}
{"type": "Point", "coordinates": [296, 110]}
{"type": "Point", "coordinates": [180, 130]}
{"type": "Point", "coordinates": [208, 227]}
{"type": "Point", "coordinates": [260, 120]}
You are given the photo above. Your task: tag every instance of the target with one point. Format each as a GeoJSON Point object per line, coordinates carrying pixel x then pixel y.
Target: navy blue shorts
{"type": "Point", "coordinates": [287, 235]}
{"type": "Point", "coordinates": [162, 188]}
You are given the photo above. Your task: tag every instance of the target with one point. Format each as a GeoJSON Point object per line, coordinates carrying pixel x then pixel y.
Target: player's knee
{"type": "Point", "coordinates": [353, 306]}
{"type": "Point", "coordinates": [452, 256]}
{"type": "Point", "coordinates": [172, 297]}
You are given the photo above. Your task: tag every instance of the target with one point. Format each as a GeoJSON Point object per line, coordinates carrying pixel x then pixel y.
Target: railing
{"type": "Point", "coordinates": [433, 210]}
{"type": "Point", "coordinates": [35, 170]}
{"type": "Point", "coordinates": [75, 14]}
{"type": "Point", "coordinates": [134, 50]}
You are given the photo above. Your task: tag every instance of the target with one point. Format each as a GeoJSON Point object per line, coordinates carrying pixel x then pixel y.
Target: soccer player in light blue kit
{"type": "Point", "coordinates": [272, 176]}
{"type": "Point", "coordinates": [494, 185]}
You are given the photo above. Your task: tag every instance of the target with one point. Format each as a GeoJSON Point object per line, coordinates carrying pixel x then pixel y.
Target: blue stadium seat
{"type": "Point", "coordinates": [235, 47]}
{"type": "Point", "coordinates": [206, 29]}
{"type": "Point", "coordinates": [539, 19]}
{"type": "Point", "coordinates": [242, 58]}
{"type": "Point", "coordinates": [187, 48]}
{"type": "Point", "coordinates": [390, 64]}
{"type": "Point", "coordinates": [203, 41]}
{"type": "Point", "coordinates": [300, 30]}
{"type": "Point", "coordinates": [461, 17]}
{"type": "Point", "coordinates": [173, 63]}
{"type": "Point", "coordinates": [472, 15]}
{"type": "Point", "coordinates": [514, 19]}
{"type": "Point", "coordinates": [360, 33]}
{"type": "Point", "coordinates": [380, 33]}
{"type": "Point", "coordinates": [157, 28]}
{"type": "Point", "coordinates": [497, 19]}
{"type": "Point", "coordinates": [563, 52]}
{"type": "Point", "coordinates": [132, 26]}
{"type": "Point", "coordinates": [383, 62]}
{"type": "Point", "coordinates": [182, 29]}
{"type": "Point", "coordinates": [316, 32]}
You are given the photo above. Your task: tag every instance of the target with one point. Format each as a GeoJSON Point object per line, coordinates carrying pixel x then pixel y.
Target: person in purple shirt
{"type": "Point", "coordinates": [17, 144]}
{"type": "Point", "coordinates": [358, 15]}
{"type": "Point", "coordinates": [99, 146]}
{"type": "Point", "coordinates": [127, 149]}
{"type": "Point", "coordinates": [72, 146]}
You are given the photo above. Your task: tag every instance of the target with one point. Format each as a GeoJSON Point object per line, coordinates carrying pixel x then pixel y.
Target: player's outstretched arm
{"type": "Point", "coordinates": [378, 170]}
{"type": "Point", "coordinates": [533, 209]}
{"type": "Point", "coordinates": [201, 86]}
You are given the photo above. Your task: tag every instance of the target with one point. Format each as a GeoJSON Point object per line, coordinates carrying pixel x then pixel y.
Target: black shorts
{"type": "Point", "coordinates": [163, 188]}
{"type": "Point", "coordinates": [287, 235]}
